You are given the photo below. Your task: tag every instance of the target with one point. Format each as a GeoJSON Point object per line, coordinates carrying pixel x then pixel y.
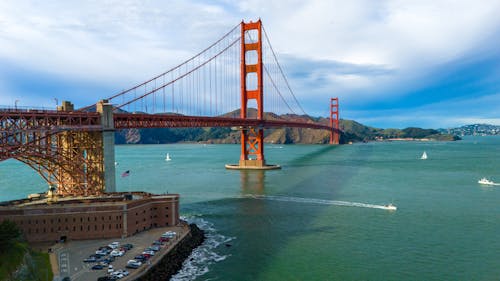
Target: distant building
{"type": "Point", "coordinates": [113, 215]}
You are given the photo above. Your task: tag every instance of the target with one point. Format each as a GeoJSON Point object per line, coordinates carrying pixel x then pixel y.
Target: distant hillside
{"type": "Point", "coordinates": [473, 130]}
{"type": "Point", "coordinates": [353, 132]}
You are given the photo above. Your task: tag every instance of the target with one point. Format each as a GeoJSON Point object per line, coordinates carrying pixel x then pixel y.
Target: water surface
{"type": "Point", "coordinates": [446, 226]}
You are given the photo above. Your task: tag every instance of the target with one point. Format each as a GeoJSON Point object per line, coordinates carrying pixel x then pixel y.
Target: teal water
{"type": "Point", "coordinates": [446, 226]}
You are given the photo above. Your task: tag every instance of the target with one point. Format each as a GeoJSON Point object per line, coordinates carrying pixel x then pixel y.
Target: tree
{"type": "Point", "coordinates": [9, 232]}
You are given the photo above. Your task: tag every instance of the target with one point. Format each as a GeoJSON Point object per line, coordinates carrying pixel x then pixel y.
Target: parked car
{"type": "Point", "coordinates": [140, 257]}
{"type": "Point", "coordinates": [114, 245]}
{"type": "Point", "coordinates": [117, 253]}
{"type": "Point", "coordinates": [104, 249]}
{"type": "Point", "coordinates": [109, 259]}
{"type": "Point", "coordinates": [97, 256]}
{"type": "Point", "coordinates": [101, 252]}
{"type": "Point", "coordinates": [134, 262]}
{"type": "Point", "coordinates": [151, 253]}
{"type": "Point", "coordinates": [134, 266]}
{"type": "Point", "coordinates": [117, 275]}
{"type": "Point", "coordinates": [128, 246]}
{"type": "Point", "coordinates": [169, 234]}
{"type": "Point", "coordinates": [90, 259]}
{"type": "Point", "coordinates": [97, 267]}
{"type": "Point", "coordinates": [158, 243]}
{"type": "Point", "coordinates": [124, 272]}
{"type": "Point", "coordinates": [155, 248]}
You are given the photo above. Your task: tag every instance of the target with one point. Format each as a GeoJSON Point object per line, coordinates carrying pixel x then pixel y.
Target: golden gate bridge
{"type": "Point", "coordinates": [73, 149]}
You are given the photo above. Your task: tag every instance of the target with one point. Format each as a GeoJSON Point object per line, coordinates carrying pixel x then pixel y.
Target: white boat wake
{"type": "Point", "coordinates": [320, 201]}
{"type": "Point", "coordinates": [485, 181]}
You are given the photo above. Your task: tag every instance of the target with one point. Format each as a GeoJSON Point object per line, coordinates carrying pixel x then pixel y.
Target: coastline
{"type": "Point", "coordinates": [171, 261]}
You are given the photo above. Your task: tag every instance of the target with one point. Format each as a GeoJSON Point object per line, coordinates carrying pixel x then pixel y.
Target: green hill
{"type": "Point", "coordinates": [352, 132]}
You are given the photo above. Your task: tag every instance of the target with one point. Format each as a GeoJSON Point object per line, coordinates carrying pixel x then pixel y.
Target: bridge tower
{"type": "Point", "coordinates": [334, 121]}
{"type": "Point", "coordinates": [89, 157]}
{"type": "Point", "coordinates": [252, 138]}
{"type": "Point", "coordinates": [105, 109]}
{"type": "Point", "coordinates": [76, 158]}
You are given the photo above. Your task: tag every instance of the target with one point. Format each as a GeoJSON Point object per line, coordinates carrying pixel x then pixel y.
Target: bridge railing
{"type": "Point", "coordinates": [7, 108]}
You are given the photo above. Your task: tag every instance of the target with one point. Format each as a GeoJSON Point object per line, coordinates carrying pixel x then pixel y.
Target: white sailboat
{"type": "Point", "coordinates": [167, 158]}
{"type": "Point", "coordinates": [424, 156]}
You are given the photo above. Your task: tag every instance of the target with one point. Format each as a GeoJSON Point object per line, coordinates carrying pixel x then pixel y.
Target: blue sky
{"type": "Point", "coordinates": [392, 63]}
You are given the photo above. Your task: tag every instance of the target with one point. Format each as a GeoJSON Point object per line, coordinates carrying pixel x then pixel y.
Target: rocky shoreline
{"type": "Point", "coordinates": [172, 262]}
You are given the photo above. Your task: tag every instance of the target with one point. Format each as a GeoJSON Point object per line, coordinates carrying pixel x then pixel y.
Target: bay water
{"type": "Point", "coordinates": [319, 217]}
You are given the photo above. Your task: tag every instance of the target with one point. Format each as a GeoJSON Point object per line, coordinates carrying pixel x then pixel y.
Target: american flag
{"type": "Point", "coordinates": [126, 173]}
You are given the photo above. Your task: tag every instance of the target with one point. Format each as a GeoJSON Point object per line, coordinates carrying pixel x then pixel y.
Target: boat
{"type": "Point", "coordinates": [424, 156]}
{"type": "Point", "coordinates": [390, 207]}
{"type": "Point", "coordinates": [167, 158]}
{"type": "Point", "coordinates": [486, 181]}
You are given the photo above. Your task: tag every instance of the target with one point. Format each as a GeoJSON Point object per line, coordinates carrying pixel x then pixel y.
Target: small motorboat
{"type": "Point", "coordinates": [390, 207]}
{"type": "Point", "coordinates": [486, 181]}
{"type": "Point", "coordinates": [167, 158]}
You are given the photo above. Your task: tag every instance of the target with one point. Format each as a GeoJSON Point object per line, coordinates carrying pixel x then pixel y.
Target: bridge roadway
{"type": "Point", "coordinates": [76, 120]}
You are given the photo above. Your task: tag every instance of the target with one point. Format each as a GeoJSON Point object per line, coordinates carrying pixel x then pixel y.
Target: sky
{"type": "Point", "coordinates": [393, 64]}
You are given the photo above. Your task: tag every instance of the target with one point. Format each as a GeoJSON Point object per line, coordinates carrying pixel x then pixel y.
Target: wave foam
{"type": "Point", "coordinates": [201, 258]}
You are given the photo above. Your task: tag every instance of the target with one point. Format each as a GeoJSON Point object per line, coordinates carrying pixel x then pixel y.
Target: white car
{"type": "Point", "coordinates": [151, 253]}
{"type": "Point", "coordinates": [114, 245]}
{"type": "Point", "coordinates": [117, 275]}
{"type": "Point", "coordinates": [110, 268]}
{"type": "Point", "coordinates": [101, 252]}
{"type": "Point", "coordinates": [117, 253]}
{"type": "Point", "coordinates": [134, 263]}
{"type": "Point", "coordinates": [121, 271]}
{"type": "Point", "coordinates": [169, 234]}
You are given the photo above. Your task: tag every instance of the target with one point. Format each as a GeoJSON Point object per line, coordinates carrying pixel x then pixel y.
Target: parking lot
{"type": "Point", "coordinates": [70, 256]}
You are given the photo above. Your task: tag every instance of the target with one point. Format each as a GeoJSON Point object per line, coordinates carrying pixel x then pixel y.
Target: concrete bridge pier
{"type": "Point", "coordinates": [108, 139]}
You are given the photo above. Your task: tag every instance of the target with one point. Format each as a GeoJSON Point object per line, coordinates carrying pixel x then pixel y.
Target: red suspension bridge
{"type": "Point", "coordinates": [73, 150]}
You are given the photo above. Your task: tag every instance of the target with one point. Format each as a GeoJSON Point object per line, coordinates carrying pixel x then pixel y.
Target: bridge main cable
{"type": "Point", "coordinates": [178, 78]}
{"type": "Point", "coordinates": [170, 70]}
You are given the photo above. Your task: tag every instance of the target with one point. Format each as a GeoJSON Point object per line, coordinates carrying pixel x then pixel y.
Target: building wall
{"type": "Point", "coordinates": [93, 220]}
{"type": "Point", "coordinates": [161, 211]}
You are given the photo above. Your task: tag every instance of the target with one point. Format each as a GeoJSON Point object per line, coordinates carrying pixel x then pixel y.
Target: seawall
{"type": "Point", "coordinates": [171, 263]}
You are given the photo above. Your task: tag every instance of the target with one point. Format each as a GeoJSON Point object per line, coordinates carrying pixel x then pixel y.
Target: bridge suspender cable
{"type": "Point", "coordinates": [281, 71]}
{"type": "Point", "coordinates": [180, 77]}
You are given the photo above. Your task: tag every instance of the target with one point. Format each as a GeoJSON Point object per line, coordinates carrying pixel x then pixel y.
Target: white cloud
{"type": "Point", "coordinates": [451, 113]}
{"type": "Point", "coordinates": [118, 36]}
{"type": "Point", "coordinates": [115, 41]}
{"type": "Point", "coordinates": [377, 32]}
